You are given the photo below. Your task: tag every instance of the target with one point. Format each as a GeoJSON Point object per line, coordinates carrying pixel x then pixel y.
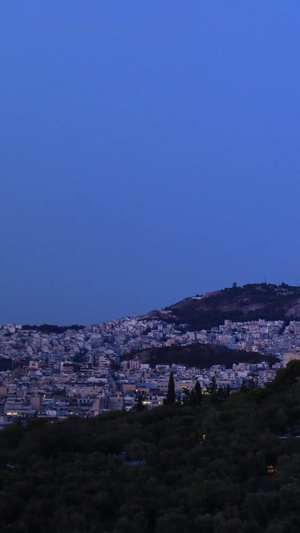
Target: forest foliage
{"type": "Point", "coordinates": [200, 355]}
{"type": "Point", "coordinates": [226, 463]}
{"type": "Point", "coordinates": [52, 328]}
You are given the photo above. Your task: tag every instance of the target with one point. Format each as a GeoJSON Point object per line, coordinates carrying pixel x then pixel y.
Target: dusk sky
{"type": "Point", "coordinates": [149, 152]}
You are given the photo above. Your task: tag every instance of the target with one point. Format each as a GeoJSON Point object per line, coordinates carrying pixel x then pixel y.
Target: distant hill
{"type": "Point", "coordinates": [201, 355]}
{"type": "Point", "coordinates": [241, 304]}
{"type": "Point", "coordinates": [51, 328]}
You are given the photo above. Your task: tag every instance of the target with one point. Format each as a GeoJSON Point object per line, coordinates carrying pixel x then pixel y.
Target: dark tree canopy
{"type": "Point", "coordinates": [171, 397]}
{"type": "Point", "coordinates": [228, 464]}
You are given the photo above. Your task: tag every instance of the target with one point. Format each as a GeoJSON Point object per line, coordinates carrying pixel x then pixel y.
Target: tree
{"type": "Point", "coordinates": [244, 386]}
{"type": "Point", "coordinates": [213, 387]}
{"type": "Point", "coordinates": [170, 399]}
{"type": "Point", "coordinates": [252, 381]}
{"type": "Point", "coordinates": [197, 393]}
{"type": "Point", "coordinates": [139, 406]}
{"type": "Point", "coordinates": [186, 397]}
{"type": "Point", "coordinates": [286, 376]}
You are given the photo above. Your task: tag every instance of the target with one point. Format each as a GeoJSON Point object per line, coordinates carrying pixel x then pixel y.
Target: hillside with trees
{"type": "Point", "coordinates": [200, 355]}
{"type": "Point", "coordinates": [51, 328]}
{"type": "Point", "coordinates": [224, 464]}
{"type": "Point", "coordinates": [241, 304]}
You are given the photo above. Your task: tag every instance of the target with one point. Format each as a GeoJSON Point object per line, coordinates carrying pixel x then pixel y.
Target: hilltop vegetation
{"type": "Point", "coordinates": [51, 328]}
{"type": "Point", "coordinates": [201, 355]}
{"type": "Point", "coordinates": [240, 304]}
{"type": "Point", "coordinates": [221, 467]}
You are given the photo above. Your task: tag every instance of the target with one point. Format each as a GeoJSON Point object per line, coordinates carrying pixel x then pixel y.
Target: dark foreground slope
{"type": "Point", "coordinates": [154, 472]}
{"type": "Point", "coordinates": [250, 302]}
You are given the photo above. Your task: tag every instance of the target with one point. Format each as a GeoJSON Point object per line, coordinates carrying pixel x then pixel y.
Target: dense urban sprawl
{"type": "Point", "coordinates": [87, 371]}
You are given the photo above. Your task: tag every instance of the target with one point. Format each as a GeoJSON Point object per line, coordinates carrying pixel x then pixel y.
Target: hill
{"type": "Point", "coordinates": [229, 465]}
{"type": "Point", "coordinates": [200, 355]}
{"type": "Point", "coordinates": [241, 304]}
{"type": "Point", "coordinates": [51, 328]}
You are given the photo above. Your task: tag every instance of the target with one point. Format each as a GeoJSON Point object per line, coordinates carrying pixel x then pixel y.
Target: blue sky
{"type": "Point", "coordinates": [149, 151]}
